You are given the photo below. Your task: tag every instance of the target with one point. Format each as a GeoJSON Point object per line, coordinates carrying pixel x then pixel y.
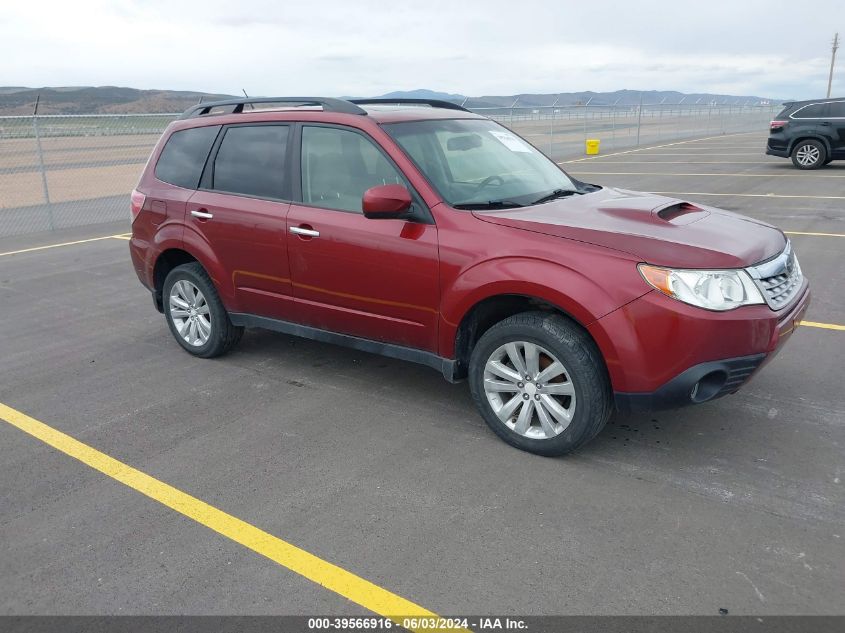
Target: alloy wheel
{"type": "Point", "coordinates": [529, 390]}
{"type": "Point", "coordinates": [808, 155]}
{"type": "Point", "coordinates": [190, 313]}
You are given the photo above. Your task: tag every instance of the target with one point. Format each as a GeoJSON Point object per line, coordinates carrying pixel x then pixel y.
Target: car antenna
{"type": "Point", "coordinates": [251, 107]}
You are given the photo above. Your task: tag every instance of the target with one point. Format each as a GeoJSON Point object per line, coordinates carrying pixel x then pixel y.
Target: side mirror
{"type": "Point", "coordinates": [386, 202]}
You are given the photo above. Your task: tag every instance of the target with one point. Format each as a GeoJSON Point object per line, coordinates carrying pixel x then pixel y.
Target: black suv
{"type": "Point", "coordinates": [812, 133]}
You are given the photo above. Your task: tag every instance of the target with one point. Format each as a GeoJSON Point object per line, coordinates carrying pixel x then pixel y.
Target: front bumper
{"type": "Point", "coordinates": [662, 354]}
{"type": "Point", "coordinates": [705, 381]}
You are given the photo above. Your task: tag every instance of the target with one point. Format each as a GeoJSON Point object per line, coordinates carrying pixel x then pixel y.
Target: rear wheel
{"type": "Point", "coordinates": [809, 154]}
{"type": "Point", "coordinates": [540, 384]}
{"type": "Point", "coordinates": [195, 314]}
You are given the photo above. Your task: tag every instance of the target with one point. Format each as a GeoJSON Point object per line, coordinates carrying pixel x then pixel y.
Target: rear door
{"type": "Point", "coordinates": [834, 127]}
{"type": "Point", "coordinates": [805, 121]}
{"type": "Point", "coordinates": [377, 279]}
{"type": "Point", "coordinates": [240, 211]}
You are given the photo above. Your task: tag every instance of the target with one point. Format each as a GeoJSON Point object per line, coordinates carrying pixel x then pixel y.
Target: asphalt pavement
{"type": "Point", "coordinates": [385, 470]}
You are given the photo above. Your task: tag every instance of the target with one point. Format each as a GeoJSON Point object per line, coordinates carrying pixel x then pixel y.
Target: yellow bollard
{"type": "Point", "coordinates": [592, 145]}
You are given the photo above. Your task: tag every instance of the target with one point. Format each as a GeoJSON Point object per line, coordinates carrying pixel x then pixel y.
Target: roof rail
{"type": "Point", "coordinates": [236, 106]}
{"type": "Point", "coordinates": [434, 103]}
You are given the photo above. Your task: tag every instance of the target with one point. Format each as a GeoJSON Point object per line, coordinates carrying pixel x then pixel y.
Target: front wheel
{"type": "Point", "coordinates": [539, 382]}
{"type": "Point", "coordinates": [196, 316]}
{"type": "Point", "coordinates": [809, 154]}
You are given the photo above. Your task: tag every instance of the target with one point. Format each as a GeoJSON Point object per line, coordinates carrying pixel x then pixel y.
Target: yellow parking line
{"type": "Point", "coordinates": [747, 195]}
{"type": "Point", "coordinates": [122, 237]}
{"type": "Point", "coordinates": [41, 248]}
{"type": "Point", "coordinates": [325, 574]}
{"type": "Point", "coordinates": [710, 175]}
{"type": "Point", "coordinates": [826, 326]}
{"type": "Point", "coordinates": [815, 234]}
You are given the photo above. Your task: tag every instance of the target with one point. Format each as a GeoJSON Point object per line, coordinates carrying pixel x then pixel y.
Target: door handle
{"type": "Point", "coordinates": [826, 123]}
{"type": "Point", "coordinates": [299, 230]}
{"type": "Point", "coordinates": [203, 215]}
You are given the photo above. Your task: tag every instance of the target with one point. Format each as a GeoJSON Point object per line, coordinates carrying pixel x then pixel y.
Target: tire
{"type": "Point", "coordinates": [828, 161]}
{"type": "Point", "coordinates": [809, 154]}
{"type": "Point", "coordinates": [203, 327]}
{"type": "Point", "coordinates": [581, 390]}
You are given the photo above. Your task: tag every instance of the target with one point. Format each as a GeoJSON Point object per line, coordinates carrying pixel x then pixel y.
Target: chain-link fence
{"type": "Point", "coordinates": [60, 171]}
{"type": "Point", "coordinates": [561, 131]}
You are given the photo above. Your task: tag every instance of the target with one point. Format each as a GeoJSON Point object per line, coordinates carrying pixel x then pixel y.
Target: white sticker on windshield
{"type": "Point", "coordinates": [510, 141]}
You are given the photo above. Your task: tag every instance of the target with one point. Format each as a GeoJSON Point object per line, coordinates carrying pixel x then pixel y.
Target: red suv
{"type": "Point", "coordinates": [424, 232]}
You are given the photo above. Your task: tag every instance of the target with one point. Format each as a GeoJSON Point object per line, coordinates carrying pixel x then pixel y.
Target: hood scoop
{"type": "Point", "coordinates": [654, 209]}
{"type": "Point", "coordinates": [682, 213]}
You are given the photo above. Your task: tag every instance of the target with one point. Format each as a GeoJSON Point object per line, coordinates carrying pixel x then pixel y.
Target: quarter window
{"type": "Point", "coordinates": [814, 111]}
{"type": "Point", "coordinates": [338, 166]}
{"type": "Point", "coordinates": [184, 156]}
{"type": "Point", "coordinates": [251, 161]}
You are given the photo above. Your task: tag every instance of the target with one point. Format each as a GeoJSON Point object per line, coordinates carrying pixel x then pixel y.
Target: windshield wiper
{"type": "Point", "coordinates": [490, 204]}
{"type": "Point", "coordinates": [554, 195]}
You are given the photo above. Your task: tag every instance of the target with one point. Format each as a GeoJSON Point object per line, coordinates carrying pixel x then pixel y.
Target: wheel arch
{"type": "Point", "coordinates": [495, 289]}
{"type": "Point", "coordinates": [489, 311]}
{"type": "Point", "coordinates": [197, 248]}
{"type": "Point", "coordinates": [165, 262]}
{"type": "Point", "coordinates": [811, 137]}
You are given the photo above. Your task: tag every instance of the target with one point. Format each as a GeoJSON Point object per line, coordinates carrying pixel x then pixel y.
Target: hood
{"type": "Point", "coordinates": [656, 229]}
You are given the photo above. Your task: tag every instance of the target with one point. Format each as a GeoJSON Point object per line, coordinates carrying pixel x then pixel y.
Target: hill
{"type": "Point", "coordinates": [98, 100]}
{"type": "Point", "coordinates": [16, 100]}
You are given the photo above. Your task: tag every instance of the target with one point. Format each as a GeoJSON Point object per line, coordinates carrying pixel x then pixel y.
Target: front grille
{"type": "Point", "coordinates": [779, 279]}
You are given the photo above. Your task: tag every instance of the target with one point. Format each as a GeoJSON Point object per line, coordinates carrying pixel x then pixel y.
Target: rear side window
{"type": "Point", "coordinates": [814, 111]}
{"type": "Point", "coordinates": [184, 155]}
{"type": "Point", "coordinates": [837, 109]}
{"type": "Point", "coordinates": [251, 161]}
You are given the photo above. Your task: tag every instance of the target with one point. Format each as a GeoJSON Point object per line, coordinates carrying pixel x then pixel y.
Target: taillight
{"type": "Point", "coordinates": [774, 126]}
{"type": "Point", "coordinates": [136, 203]}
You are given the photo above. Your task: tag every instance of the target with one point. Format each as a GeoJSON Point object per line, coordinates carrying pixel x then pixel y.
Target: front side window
{"type": "Point", "coordinates": [477, 162]}
{"type": "Point", "coordinates": [338, 166]}
{"type": "Point", "coordinates": [251, 161]}
{"type": "Point", "coordinates": [184, 156]}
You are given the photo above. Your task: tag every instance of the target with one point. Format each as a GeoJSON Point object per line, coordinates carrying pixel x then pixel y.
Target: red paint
{"type": "Point", "coordinates": [412, 283]}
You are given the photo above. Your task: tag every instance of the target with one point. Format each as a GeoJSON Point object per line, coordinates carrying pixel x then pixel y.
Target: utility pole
{"type": "Point", "coordinates": [832, 62]}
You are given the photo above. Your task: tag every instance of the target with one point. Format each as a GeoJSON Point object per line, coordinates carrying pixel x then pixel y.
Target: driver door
{"type": "Point", "coordinates": [376, 279]}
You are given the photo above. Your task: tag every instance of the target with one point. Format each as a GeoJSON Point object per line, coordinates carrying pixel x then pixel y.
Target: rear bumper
{"type": "Point", "coordinates": [139, 251]}
{"type": "Point", "coordinates": [777, 152]}
{"type": "Point", "coordinates": [778, 144]}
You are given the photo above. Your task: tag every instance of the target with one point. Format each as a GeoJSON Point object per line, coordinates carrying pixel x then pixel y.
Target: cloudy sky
{"type": "Point", "coordinates": [363, 47]}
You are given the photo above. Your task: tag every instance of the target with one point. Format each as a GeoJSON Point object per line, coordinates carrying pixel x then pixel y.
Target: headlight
{"type": "Point", "coordinates": [709, 289]}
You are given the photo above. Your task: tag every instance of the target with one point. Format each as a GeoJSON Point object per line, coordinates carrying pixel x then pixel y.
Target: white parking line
{"type": "Point", "coordinates": [746, 195]}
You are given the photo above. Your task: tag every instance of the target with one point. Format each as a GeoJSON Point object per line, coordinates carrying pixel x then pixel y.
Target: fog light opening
{"type": "Point", "coordinates": [708, 386]}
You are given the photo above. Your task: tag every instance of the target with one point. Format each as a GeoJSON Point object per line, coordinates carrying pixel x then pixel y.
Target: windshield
{"type": "Point", "coordinates": [477, 163]}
